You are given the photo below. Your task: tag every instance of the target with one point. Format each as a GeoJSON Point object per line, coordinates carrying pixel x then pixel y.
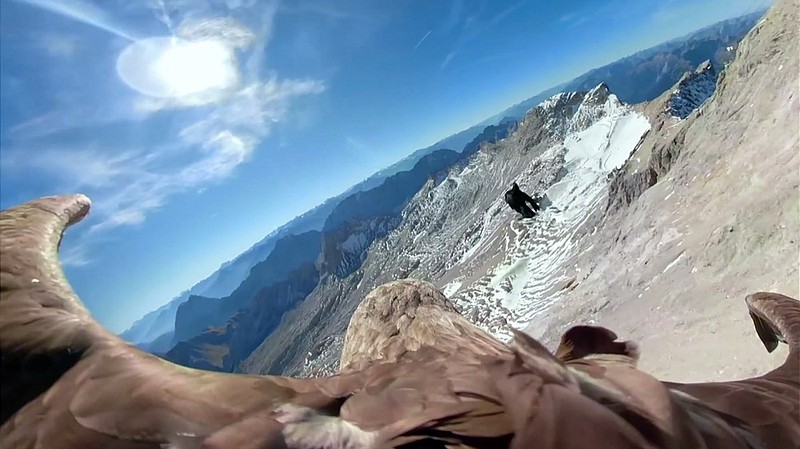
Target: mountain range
{"type": "Point", "coordinates": [329, 255]}
{"type": "Point", "coordinates": [458, 233]}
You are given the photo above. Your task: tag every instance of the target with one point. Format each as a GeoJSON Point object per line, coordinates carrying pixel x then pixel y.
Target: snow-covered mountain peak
{"type": "Point", "coordinates": [558, 100]}
{"type": "Point", "coordinates": [499, 269]}
{"type": "Point", "coordinates": [598, 94]}
{"type": "Point", "coordinates": [568, 112]}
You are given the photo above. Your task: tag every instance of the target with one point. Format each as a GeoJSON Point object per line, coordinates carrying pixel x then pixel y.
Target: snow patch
{"type": "Point", "coordinates": [451, 288]}
{"type": "Point", "coordinates": [355, 243]}
{"type": "Point", "coordinates": [537, 251]}
{"type": "Point", "coordinates": [673, 263]}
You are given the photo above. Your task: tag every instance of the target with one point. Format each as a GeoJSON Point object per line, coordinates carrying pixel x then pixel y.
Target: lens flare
{"type": "Point", "coordinates": [169, 67]}
{"type": "Point", "coordinates": [83, 12]}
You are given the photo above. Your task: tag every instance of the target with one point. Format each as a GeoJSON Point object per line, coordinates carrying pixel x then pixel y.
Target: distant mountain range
{"type": "Point", "coordinates": [218, 333]}
{"type": "Point", "coordinates": [211, 324]}
{"type": "Point", "coordinates": [646, 74]}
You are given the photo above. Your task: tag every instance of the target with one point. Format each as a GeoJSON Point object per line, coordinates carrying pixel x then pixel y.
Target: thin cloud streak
{"type": "Point", "coordinates": [422, 40]}
{"type": "Point", "coordinates": [473, 27]}
{"type": "Point", "coordinates": [222, 141]}
{"type": "Point", "coordinates": [58, 45]}
{"type": "Point", "coordinates": [83, 12]}
{"type": "Point", "coordinates": [75, 255]}
{"type": "Point", "coordinates": [447, 60]}
{"type": "Point", "coordinates": [504, 13]}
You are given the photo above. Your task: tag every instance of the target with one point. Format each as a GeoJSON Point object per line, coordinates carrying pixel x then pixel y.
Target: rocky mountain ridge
{"type": "Point", "coordinates": [632, 78]}
{"type": "Point", "coordinates": [216, 333]}
{"type": "Point", "coordinates": [670, 269]}
{"type": "Point", "coordinates": [456, 228]}
{"type": "Point", "coordinates": [221, 348]}
{"type": "Point", "coordinates": [199, 313]}
{"type": "Point", "coordinates": [695, 236]}
{"type": "Point", "coordinates": [692, 90]}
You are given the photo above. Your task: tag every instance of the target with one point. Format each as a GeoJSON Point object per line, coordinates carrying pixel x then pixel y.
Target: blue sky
{"type": "Point", "coordinates": [197, 127]}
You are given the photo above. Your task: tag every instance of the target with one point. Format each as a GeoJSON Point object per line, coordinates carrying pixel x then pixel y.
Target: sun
{"type": "Point", "coordinates": [178, 68]}
{"type": "Point", "coordinates": [189, 67]}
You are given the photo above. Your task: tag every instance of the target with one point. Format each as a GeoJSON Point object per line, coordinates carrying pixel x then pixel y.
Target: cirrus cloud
{"type": "Point", "coordinates": [208, 133]}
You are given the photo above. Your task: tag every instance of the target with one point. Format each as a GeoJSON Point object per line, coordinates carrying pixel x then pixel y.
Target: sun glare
{"type": "Point", "coordinates": [173, 67]}
{"type": "Point", "coordinates": [190, 67]}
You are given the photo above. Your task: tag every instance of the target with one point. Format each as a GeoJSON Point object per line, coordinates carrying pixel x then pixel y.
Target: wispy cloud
{"type": "Point", "coordinates": [36, 126]}
{"type": "Point", "coordinates": [75, 255]}
{"type": "Point", "coordinates": [219, 143]}
{"type": "Point", "coordinates": [454, 16]}
{"type": "Point", "coordinates": [76, 169]}
{"type": "Point", "coordinates": [474, 26]}
{"type": "Point", "coordinates": [490, 59]}
{"type": "Point", "coordinates": [357, 146]}
{"type": "Point", "coordinates": [84, 12]}
{"type": "Point", "coordinates": [127, 182]}
{"type": "Point", "coordinates": [58, 45]}
{"type": "Point", "coordinates": [574, 19]}
{"type": "Point", "coordinates": [325, 8]}
{"type": "Point", "coordinates": [422, 40]}
{"type": "Point", "coordinates": [504, 13]}
{"type": "Point", "coordinates": [447, 60]}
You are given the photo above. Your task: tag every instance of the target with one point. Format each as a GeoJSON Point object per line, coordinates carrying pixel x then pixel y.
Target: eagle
{"type": "Point", "coordinates": [414, 374]}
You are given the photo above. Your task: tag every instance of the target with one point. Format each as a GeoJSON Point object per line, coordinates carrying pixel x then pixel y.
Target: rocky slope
{"type": "Point", "coordinates": [665, 114]}
{"type": "Point", "coordinates": [199, 313]}
{"type": "Point", "coordinates": [457, 229]}
{"type": "Point", "coordinates": [215, 333]}
{"type": "Point", "coordinates": [671, 269]}
{"type": "Point", "coordinates": [646, 74]}
{"type": "Point", "coordinates": [225, 280]}
{"type": "Point", "coordinates": [221, 348]}
{"type": "Point", "coordinates": [692, 90]}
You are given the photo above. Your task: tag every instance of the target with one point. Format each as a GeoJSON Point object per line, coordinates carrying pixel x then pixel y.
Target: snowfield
{"type": "Point", "coordinates": [538, 250]}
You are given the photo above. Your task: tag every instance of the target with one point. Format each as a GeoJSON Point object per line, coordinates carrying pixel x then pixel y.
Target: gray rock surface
{"type": "Point", "coordinates": [671, 271]}
{"type": "Point", "coordinates": [692, 90]}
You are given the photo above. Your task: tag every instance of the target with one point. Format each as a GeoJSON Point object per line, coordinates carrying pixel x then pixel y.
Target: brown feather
{"type": "Point", "coordinates": [407, 315]}
{"type": "Point", "coordinates": [417, 374]}
{"type": "Point", "coordinates": [768, 404]}
{"type": "Point", "coordinates": [581, 341]}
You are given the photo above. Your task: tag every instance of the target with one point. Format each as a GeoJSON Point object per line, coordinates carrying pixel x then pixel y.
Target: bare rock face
{"type": "Point", "coordinates": [661, 146]}
{"type": "Point", "coordinates": [407, 315]}
{"type": "Point", "coordinates": [721, 220]}
{"type": "Point", "coordinates": [693, 89]}
{"type": "Point", "coordinates": [625, 188]}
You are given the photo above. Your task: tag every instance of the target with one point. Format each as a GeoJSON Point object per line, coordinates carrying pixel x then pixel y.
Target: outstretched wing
{"type": "Point", "coordinates": [44, 328]}
{"type": "Point", "coordinates": [769, 404]}
{"type": "Point", "coordinates": [67, 382]}
{"type": "Point", "coordinates": [776, 317]}
{"type": "Point", "coordinates": [99, 391]}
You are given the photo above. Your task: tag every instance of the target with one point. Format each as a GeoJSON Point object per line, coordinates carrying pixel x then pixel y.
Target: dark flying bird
{"type": "Point", "coordinates": [521, 201]}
